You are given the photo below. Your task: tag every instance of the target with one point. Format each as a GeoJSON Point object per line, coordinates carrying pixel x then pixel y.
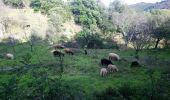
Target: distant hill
{"type": "Point", "coordinates": [141, 6]}
{"type": "Point", "coordinates": [165, 4]}
{"type": "Point", "coordinates": [160, 5]}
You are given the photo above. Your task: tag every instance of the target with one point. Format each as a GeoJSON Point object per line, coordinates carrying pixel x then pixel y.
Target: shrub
{"type": "Point", "coordinates": [108, 94]}
{"type": "Point", "coordinates": [14, 3]}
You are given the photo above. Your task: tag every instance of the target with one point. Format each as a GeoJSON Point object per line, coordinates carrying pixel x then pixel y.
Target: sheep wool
{"type": "Point", "coordinates": [103, 72]}
{"type": "Point", "coordinates": [114, 57]}
{"type": "Point", "coordinates": [9, 56]}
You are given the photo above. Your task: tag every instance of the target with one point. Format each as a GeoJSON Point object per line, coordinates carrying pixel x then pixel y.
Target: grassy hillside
{"type": "Point", "coordinates": [81, 72]}
{"type": "Point", "coordinates": [30, 29]}
{"type": "Point", "coordinates": [13, 22]}
{"type": "Point", "coordinates": [17, 19]}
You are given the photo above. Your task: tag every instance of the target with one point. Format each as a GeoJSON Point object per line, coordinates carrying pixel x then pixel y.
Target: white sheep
{"type": "Point", "coordinates": [103, 72]}
{"type": "Point", "coordinates": [114, 57]}
{"type": "Point", "coordinates": [9, 56]}
{"type": "Point", "coordinates": [112, 68]}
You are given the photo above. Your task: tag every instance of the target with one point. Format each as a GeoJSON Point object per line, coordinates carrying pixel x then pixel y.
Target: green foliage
{"type": "Point", "coordinates": [92, 17]}
{"type": "Point", "coordinates": [89, 39]}
{"type": "Point", "coordinates": [8, 89]}
{"type": "Point", "coordinates": [14, 3]}
{"type": "Point", "coordinates": [88, 12]}
{"type": "Point", "coordinates": [26, 59]}
{"type": "Point", "coordinates": [117, 6]}
{"type": "Point", "coordinates": [36, 4]}
{"type": "Point", "coordinates": [129, 92]}
{"type": "Point", "coordinates": [46, 5]}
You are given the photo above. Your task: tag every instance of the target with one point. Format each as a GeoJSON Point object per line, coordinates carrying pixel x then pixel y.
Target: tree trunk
{"type": "Point", "coordinates": [157, 42]}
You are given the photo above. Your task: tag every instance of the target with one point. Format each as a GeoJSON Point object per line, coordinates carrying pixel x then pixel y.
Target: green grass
{"type": "Point", "coordinates": [80, 71]}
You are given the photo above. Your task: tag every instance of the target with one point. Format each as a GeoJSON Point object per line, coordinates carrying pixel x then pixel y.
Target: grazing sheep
{"type": "Point", "coordinates": [106, 62]}
{"type": "Point", "coordinates": [58, 46]}
{"type": "Point", "coordinates": [103, 72]}
{"type": "Point", "coordinates": [112, 68]}
{"type": "Point", "coordinates": [135, 64]}
{"type": "Point", "coordinates": [9, 56]}
{"type": "Point", "coordinates": [57, 53]}
{"type": "Point", "coordinates": [69, 51]}
{"type": "Point", "coordinates": [114, 57]}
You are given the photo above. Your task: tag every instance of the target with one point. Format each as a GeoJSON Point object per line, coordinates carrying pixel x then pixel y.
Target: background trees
{"type": "Point", "coordinates": [90, 14]}
{"type": "Point", "coordinates": [96, 25]}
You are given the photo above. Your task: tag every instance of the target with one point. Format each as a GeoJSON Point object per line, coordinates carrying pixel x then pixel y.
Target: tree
{"type": "Point", "coordinates": [90, 38]}
{"type": "Point", "coordinates": [117, 6]}
{"type": "Point", "coordinates": [90, 12]}
{"type": "Point", "coordinates": [165, 32]}
{"type": "Point", "coordinates": [139, 33]}
{"type": "Point", "coordinates": [158, 20]}
{"type": "Point", "coordinates": [121, 17]}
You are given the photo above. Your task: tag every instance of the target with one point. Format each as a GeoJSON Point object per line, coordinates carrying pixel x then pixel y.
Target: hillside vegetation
{"type": "Point", "coordinates": [83, 50]}
{"type": "Point", "coordinates": [14, 22]}
{"type": "Point", "coordinates": [141, 6]}
{"type": "Point", "coordinates": [164, 4]}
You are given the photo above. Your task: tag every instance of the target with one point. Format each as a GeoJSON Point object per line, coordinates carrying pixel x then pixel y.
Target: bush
{"type": "Point", "coordinates": [141, 92]}
{"type": "Point", "coordinates": [36, 4]}
{"type": "Point", "coordinates": [14, 3]}
{"type": "Point", "coordinates": [108, 94]}
{"type": "Point", "coordinates": [88, 38]}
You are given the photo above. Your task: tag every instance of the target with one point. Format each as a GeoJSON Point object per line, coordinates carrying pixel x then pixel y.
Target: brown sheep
{"type": "Point", "coordinates": [135, 64]}
{"type": "Point", "coordinates": [9, 56]}
{"type": "Point", "coordinates": [69, 51]}
{"type": "Point", "coordinates": [103, 72]}
{"type": "Point", "coordinates": [57, 53]}
{"type": "Point", "coordinates": [112, 68]}
{"type": "Point", "coordinates": [114, 57]}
